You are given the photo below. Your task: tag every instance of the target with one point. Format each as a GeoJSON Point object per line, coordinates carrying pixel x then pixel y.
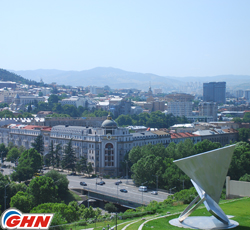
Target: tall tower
{"type": "Point", "coordinates": [214, 91]}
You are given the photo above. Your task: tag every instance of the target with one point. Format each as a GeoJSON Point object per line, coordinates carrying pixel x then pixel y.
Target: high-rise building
{"type": "Point", "coordinates": [214, 91]}
{"type": "Point", "coordinates": [180, 104]}
{"type": "Point", "coordinates": [208, 109]}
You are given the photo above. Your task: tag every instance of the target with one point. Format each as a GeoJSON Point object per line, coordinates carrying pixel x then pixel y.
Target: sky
{"type": "Point", "coordinates": [164, 37]}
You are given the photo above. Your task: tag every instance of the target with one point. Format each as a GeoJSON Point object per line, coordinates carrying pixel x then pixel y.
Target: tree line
{"type": "Point", "coordinates": [155, 119]}
{"type": "Point", "coordinates": [155, 161]}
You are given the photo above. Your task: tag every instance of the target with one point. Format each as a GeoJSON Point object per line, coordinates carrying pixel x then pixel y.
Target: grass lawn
{"type": "Point", "coordinates": [240, 209]}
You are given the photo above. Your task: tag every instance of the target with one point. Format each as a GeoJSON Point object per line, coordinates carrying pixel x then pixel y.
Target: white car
{"type": "Point", "coordinates": [154, 193]}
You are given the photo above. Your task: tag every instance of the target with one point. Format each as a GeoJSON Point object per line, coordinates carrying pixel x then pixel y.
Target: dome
{"type": "Point", "coordinates": [109, 123]}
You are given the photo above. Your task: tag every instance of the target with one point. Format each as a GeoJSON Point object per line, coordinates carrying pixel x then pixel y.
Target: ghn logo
{"type": "Point", "coordinates": [14, 219]}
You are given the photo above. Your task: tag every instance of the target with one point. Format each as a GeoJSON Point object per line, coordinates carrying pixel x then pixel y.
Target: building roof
{"type": "Point", "coordinates": [109, 123]}
{"type": "Point", "coordinates": [182, 135]}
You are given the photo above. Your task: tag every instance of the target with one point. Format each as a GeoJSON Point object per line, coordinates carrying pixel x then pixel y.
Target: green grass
{"type": "Point", "coordinates": [240, 209]}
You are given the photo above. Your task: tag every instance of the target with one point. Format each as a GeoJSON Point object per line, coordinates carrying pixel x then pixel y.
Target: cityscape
{"type": "Point", "coordinates": [124, 115]}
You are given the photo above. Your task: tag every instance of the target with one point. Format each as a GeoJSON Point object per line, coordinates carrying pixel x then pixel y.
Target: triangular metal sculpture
{"type": "Point", "coordinates": [208, 173]}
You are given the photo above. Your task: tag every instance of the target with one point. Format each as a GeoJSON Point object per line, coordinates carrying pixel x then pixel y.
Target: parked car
{"type": "Point", "coordinates": [123, 190]}
{"type": "Point", "coordinates": [154, 193]}
{"type": "Point", "coordinates": [83, 183]}
{"type": "Point", "coordinates": [72, 174]}
{"type": "Point", "coordinates": [3, 166]}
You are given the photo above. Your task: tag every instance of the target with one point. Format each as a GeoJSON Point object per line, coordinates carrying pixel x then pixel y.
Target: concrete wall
{"type": "Point", "coordinates": [237, 188]}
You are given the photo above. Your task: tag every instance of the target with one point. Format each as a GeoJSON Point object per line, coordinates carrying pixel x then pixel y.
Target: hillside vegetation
{"type": "Point", "coordinates": [8, 76]}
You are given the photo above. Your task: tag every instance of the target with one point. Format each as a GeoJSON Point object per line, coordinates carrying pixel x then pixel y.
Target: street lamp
{"type": "Point", "coordinates": [171, 189]}
{"type": "Point", "coordinates": [5, 196]}
{"type": "Point", "coordinates": [142, 192]}
{"type": "Point", "coordinates": [156, 182]}
{"type": "Point", "coordinates": [182, 183]}
{"type": "Point", "coordinates": [126, 170]}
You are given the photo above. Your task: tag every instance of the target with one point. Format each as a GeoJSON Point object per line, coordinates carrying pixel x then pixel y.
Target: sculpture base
{"type": "Point", "coordinates": [203, 222]}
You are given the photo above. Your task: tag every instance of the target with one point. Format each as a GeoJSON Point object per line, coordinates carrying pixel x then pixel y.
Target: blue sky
{"type": "Point", "coordinates": [168, 37]}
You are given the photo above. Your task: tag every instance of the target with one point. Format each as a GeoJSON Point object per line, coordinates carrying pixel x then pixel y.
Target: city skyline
{"type": "Point", "coordinates": [166, 38]}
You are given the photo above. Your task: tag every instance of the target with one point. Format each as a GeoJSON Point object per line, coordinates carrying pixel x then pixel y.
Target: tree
{"type": "Point", "coordinates": [60, 181]}
{"type": "Point", "coordinates": [68, 212]}
{"type": "Point", "coordinates": [110, 207]}
{"type": "Point", "coordinates": [244, 134]}
{"type": "Point", "coordinates": [40, 94]}
{"type": "Point", "coordinates": [22, 201]}
{"type": "Point", "coordinates": [51, 155]}
{"type": "Point", "coordinates": [89, 168]}
{"type": "Point", "coordinates": [13, 154]}
{"type": "Point", "coordinates": [69, 157]}
{"type": "Point", "coordinates": [57, 155]}
{"type": "Point", "coordinates": [81, 165]}
{"type": "Point", "coordinates": [43, 189]}
{"type": "Point", "coordinates": [3, 152]}
{"type": "Point", "coordinates": [38, 144]}
{"type": "Point", "coordinates": [246, 177]}
{"type": "Point", "coordinates": [29, 163]}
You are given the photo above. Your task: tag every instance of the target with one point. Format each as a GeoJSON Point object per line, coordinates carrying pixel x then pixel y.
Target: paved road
{"type": "Point", "coordinates": [110, 187]}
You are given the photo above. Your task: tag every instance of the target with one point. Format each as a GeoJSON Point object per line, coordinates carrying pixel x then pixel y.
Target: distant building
{"type": "Point", "coordinates": [208, 109]}
{"type": "Point", "coordinates": [214, 91]}
{"type": "Point", "coordinates": [180, 104]}
{"type": "Point", "coordinates": [247, 94]}
{"type": "Point", "coordinates": [7, 84]}
{"type": "Point", "coordinates": [157, 91]}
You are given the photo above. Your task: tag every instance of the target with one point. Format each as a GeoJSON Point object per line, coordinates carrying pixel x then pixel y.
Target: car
{"type": "Point", "coordinates": [83, 183]}
{"type": "Point", "coordinates": [3, 166]}
{"type": "Point", "coordinates": [154, 193]}
{"type": "Point", "coordinates": [101, 183]}
{"type": "Point", "coordinates": [143, 189]}
{"type": "Point", "coordinates": [119, 181]}
{"type": "Point", "coordinates": [1, 170]}
{"type": "Point", "coordinates": [123, 190]}
{"type": "Point", "coordinates": [72, 174]}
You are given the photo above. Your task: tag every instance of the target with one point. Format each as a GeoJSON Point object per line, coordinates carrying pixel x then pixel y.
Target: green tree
{"type": "Point", "coordinates": [57, 154]}
{"type": "Point", "coordinates": [3, 152]}
{"type": "Point", "coordinates": [110, 207]}
{"type": "Point", "coordinates": [81, 165]}
{"type": "Point", "coordinates": [244, 134]}
{"type": "Point", "coordinates": [40, 94]}
{"type": "Point", "coordinates": [246, 177]}
{"type": "Point", "coordinates": [43, 189]}
{"type": "Point", "coordinates": [22, 201]}
{"type": "Point", "coordinates": [38, 144]}
{"type": "Point", "coordinates": [89, 168]}
{"type": "Point", "coordinates": [68, 212]}
{"type": "Point", "coordinates": [60, 181]}
{"type": "Point", "coordinates": [13, 154]}
{"type": "Point", "coordinates": [69, 158]}
{"type": "Point", "coordinates": [29, 163]}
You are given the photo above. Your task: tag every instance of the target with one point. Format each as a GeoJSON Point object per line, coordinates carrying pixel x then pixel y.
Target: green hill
{"type": "Point", "coordinates": [8, 76]}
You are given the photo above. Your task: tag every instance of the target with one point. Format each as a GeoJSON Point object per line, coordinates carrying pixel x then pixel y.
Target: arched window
{"type": "Point", "coordinates": [109, 154]}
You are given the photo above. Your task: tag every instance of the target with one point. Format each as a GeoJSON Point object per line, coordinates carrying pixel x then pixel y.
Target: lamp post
{"type": "Point", "coordinates": [142, 192]}
{"type": "Point", "coordinates": [2, 157]}
{"type": "Point", "coordinates": [126, 170]}
{"type": "Point", "coordinates": [182, 183]}
{"type": "Point", "coordinates": [156, 182]}
{"type": "Point", "coordinates": [171, 190]}
{"type": "Point", "coordinates": [5, 196]}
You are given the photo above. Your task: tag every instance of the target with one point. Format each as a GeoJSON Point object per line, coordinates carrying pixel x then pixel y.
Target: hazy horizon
{"type": "Point", "coordinates": [167, 38]}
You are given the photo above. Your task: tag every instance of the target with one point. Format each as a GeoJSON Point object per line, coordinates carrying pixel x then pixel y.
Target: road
{"type": "Point", "coordinates": [109, 187]}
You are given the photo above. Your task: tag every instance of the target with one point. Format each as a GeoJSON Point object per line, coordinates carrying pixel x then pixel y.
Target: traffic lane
{"type": "Point", "coordinates": [110, 187]}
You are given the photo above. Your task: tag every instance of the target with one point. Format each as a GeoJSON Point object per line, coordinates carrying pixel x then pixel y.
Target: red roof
{"type": "Point", "coordinates": [182, 135]}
